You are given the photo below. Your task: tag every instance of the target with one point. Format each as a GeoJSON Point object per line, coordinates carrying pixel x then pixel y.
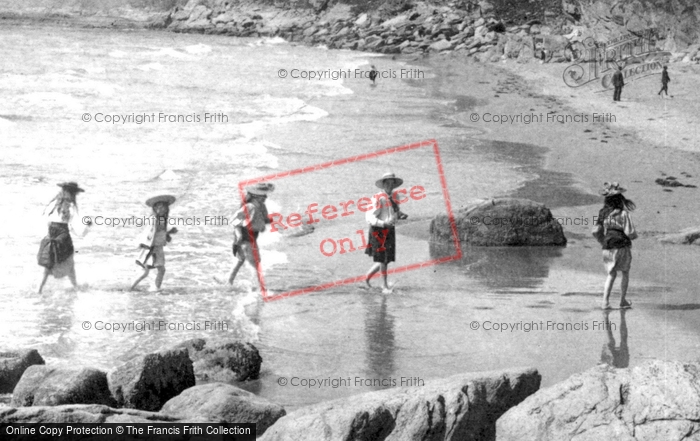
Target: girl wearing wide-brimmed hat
{"type": "Point", "coordinates": [245, 247]}
{"type": "Point", "coordinates": [156, 236]}
{"type": "Point", "coordinates": [615, 232]}
{"type": "Point", "coordinates": [382, 231]}
{"type": "Point", "coordinates": [56, 249]}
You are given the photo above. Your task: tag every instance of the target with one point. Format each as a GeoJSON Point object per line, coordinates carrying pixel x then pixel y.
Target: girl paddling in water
{"type": "Point", "coordinates": [252, 218]}
{"type": "Point", "coordinates": [56, 249]}
{"type": "Point", "coordinates": [615, 232]}
{"type": "Point", "coordinates": [155, 237]}
{"type": "Point", "coordinates": [382, 231]}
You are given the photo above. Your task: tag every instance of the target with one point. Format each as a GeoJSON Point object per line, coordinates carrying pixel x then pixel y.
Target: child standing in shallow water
{"type": "Point", "coordinates": [382, 232]}
{"type": "Point", "coordinates": [56, 249]}
{"type": "Point", "coordinates": [615, 232]}
{"type": "Point", "coordinates": [155, 237]}
{"type": "Point", "coordinates": [252, 218]}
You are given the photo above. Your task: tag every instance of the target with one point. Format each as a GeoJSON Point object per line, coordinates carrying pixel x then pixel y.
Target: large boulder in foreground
{"type": "Point", "coordinates": [224, 403]}
{"type": "Point", "coordinates": [147, 382]}
{"type": "Point", "coordinates": [500, 222]}
{"type": "Point", "coordinates": [12, 366]}
{"type": "Point", "coordinates": [226, 363]}
{"type": "Point", "coordinates": [659, 400]}
{"type": "Point", "coordinates": [51, 386]}
{"type": "Point", "coordinates": [461, 407]}
{"type": "Point", "coordinates": [79, 413]}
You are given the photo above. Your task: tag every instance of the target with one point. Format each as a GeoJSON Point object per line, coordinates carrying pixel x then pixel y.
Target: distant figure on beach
{"type": "Point", "coordinates": [613, 355]}
{"type": "Point", "coordinates": [253, 218]}
{"type": "Point", "coordinates": [373, 74]}
{"type": "Point", "coordinates": [618, 81]}
{"type": "Point", "coordinates": [615, 232]}
{"type": "Point", "coordinates": [56, 249]}
{"type": "Point", "coordinates": [154, 239]}
{"type": "Point", "coordinates": [665, 79]}
{"type": "Point", "coordinates": [382, 231]}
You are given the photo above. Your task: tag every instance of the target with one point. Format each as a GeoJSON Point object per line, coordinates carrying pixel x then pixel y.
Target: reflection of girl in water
{"type": "Point", "coordinates": [379, 331]}
{"type": "Point", "coordinates": [618, 357]}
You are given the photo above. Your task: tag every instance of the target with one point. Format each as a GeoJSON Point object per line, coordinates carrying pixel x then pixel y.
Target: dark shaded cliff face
{"type": "Point", "coordinates": [677, 22]}
{"type": "Point", "coordinates": [517, 12]}
{"type": "Point", "coordinates": [88, 6]}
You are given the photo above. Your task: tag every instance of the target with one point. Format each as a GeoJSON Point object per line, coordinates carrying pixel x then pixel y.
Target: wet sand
{"type": "Point", "coordinates": [538, 289]}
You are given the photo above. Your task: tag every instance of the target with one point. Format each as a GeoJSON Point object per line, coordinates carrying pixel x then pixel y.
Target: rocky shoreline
{"type": "Point", "coordinates": [545, 30]}
{"type": "Point", "coordinates": [657, 400]}
{"type": "Point", "coordinates": [474, 29]}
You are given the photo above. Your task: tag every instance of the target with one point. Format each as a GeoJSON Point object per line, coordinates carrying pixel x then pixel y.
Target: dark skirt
{"type": "Point", "coordinates": [56, 247]}
{"type": "Point", "coordinates": [245, 237]}
{"type": "Point", "coordinates": [382, 252]}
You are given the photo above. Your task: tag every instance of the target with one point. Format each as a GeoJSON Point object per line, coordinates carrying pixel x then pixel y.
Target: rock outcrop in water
{"type": "Point", "coordinates": [224, 403]}
{"type": "Point", "coordinates": [659, 400]}
{"type": "Point", "coordinates": [461, 407]}
{"type": "Point", "coordinates": [12, 366]}
{"type": "Point", "coordinates": [500, 222]}
{"type": "Point", "coordinates": [147, 382]}
{"type": "Point", "coordinates": [50, 386]}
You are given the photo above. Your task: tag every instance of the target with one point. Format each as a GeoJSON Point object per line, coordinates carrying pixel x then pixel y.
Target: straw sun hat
{"type": "Point", "coordinates": [380, 182]}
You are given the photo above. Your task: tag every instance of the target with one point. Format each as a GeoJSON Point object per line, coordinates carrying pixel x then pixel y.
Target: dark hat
{"type": "Point", "coordinates": [261, 189]}
{"type": "Point", "coordinates": [168, 199]}
{"type": "Point", "coordinates": [71, 187]}
{"type": "Point", "coordinates": [611, 189]}
{"type": "Point", "coordinates": [397, 181]}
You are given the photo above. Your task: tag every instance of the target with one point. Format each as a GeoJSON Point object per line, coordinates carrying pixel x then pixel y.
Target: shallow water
{"type": "Point", "coordinates": [272, 125]}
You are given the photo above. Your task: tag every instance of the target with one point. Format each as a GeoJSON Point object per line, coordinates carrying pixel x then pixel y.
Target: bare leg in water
{"type": "Point", "coordinates": [624, 283]}
{"type": "Point", "coordinates": [246, 253]}
{"type": "Point", "coordinates": [43, 280]}
{"type": "Point", "coordinates": [608, 288]}
{"type": "Point", "coordinates": [71, 276]}
{"type": "Point", "coordinates": [159, 276]}
{"type": "Point", "coordinates": [378, 266]}
{"type": "Point", "coordinates": [143, 276]}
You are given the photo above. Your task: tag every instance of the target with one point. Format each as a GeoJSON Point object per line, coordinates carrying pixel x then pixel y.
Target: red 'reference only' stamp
{"type": "Point", "coordinates": [352, 211]}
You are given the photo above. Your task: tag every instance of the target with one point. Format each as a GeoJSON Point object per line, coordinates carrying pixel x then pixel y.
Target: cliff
{"type": "Point", "coordinates": [552, 30]}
